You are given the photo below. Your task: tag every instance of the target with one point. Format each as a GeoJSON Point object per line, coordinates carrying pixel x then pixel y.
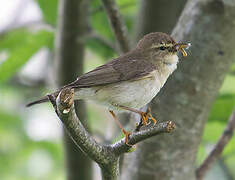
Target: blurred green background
{"type": "Point", "coordinates": [30, 139]}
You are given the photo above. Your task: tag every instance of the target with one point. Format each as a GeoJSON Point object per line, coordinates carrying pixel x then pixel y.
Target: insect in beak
{"type": "Point", "coordinates": [181, 47]}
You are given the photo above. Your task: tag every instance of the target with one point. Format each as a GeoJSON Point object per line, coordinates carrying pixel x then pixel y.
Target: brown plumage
{"type": "Point", "coordinates": [132, 80]}
{"type": "Point", "coordinates": [130, 66]}
{"type": "Point", "coordinates": [134, 65]}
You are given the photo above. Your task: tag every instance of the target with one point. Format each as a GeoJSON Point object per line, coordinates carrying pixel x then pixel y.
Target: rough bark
{"type": "Point", "coordinates": [189, 93]}
{"type": "Point", "coordinates": [158, 15]}
{"type": "Point", "coordinates": [107, 156]}
{"type": "Point", "coordinates": [69, 64]}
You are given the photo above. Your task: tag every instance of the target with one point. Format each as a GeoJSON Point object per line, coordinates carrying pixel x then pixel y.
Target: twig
{"type": "Point", "coordinates": [118, 27]}
{"type": "Point", "coordinates": [218, 149]}
{"type": "Point", "coordinates": [120, 147]}
{"type": "Point", "coordinates": [64, 108]}
{"type": "Point", "coordinates": [123, 6]}
{"type": "Point", "coordinates": [105, 155]}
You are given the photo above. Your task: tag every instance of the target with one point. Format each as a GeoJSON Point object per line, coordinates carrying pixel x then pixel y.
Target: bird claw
{"type": "Point", "coordinates": [146, 116]}
{"type": "Point", "coordinates": [151, 116]}
{"type": "Point", "coordinates": [127, 134]}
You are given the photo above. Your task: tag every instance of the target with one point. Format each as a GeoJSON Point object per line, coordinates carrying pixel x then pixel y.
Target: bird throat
{"type": "Point", "coordinates": [166, 68]}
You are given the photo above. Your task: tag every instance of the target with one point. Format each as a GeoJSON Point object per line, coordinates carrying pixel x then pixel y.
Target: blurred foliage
{"type": "Point", "coordinates": [17, 150]}
{"type": "Point", "coordinates": [219, 115]}
{"type": "Point", "coordinates": [49, 10]}
{"type": "Point", "coordinates": [229, 160]}
{"type": "Point", "coordinates": [99, 22]}
{"type": "Point", "coordinates": [101, 49]}
{"type": "Point", "coordinates": [20, 46]}
{"type": "Point", "coordinates": [227, 101]}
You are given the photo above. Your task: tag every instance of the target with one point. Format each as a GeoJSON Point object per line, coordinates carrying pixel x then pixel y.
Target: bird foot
{"type": "Point", "coordinates": [149, 114]}
{"type": "Point", "coordinates": [146, 116]}
{"type": "Point", "coordinates": [127, 134]}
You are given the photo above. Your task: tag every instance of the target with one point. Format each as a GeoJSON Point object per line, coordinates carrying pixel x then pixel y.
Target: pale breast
{"type": "Point", "coordinates": [134, 94]}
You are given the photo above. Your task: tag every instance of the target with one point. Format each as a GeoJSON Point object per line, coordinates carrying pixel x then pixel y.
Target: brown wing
{"type": "Point", "coordinates": [117, 70]}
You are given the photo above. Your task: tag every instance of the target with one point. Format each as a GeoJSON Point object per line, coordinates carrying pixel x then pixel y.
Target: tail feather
{"type": "Point", "coordinates": [43, 99]}
{"type": "Point", "coordinates": [39, 101]}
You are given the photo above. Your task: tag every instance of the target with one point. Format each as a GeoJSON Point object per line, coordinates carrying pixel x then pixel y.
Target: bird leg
{"type": "Point", "coordinates": [126, 133]}
{"type": "Point", "coordinates": [151, 116]}
{"type": "Point", "coordinates": [144, 115]}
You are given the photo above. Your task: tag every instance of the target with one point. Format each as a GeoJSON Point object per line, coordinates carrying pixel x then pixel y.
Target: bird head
{"type": "Point", "coordinates": [161, 47]}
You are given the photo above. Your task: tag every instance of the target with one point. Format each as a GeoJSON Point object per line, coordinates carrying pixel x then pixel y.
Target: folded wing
{"type": "Point", "coordinates": [115, 71]}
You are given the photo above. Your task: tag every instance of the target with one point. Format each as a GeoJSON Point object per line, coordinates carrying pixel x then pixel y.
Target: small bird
{"type": "Point", "coordinates": [132, 80]}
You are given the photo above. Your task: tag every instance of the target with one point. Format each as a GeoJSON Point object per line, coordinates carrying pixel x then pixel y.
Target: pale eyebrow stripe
{"type": "Point", "coordinates": [160, 45]}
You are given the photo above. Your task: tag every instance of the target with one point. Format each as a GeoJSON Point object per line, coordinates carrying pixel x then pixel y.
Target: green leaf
{"type": "Point", "coordinates": [232, 70]}
{"type": "Point", "coordinates": [228, 85]}
{"type": "Point", "coordinates": [20, 46]}
{"type": "Point", "coordinates": [16, 149]}
{"type": "Point", "coordinates": [212, 131]}
{"type": "Point", "coordinates": [225, 102]}
{"type": "Point", "coordinates": [222, 108]}
{"type": "Point", "coordinates": [99, 20]}
{"type": "Point", "coordinates": [49, 10]}
{"type": "Point", "coordinates": [230, 147]}
{"type": "Point", "coordinates": [230, 162]}
{"type": "Point", "coordinates": [100, 24]}
{"type": "Point", "coordinates": [201, 154]}
{"type": "Point", "coordinates": [128, 10]}
{"type": "Point", "coordinates": [8, 120]}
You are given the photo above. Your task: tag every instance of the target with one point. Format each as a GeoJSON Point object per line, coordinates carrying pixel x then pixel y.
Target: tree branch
{"type": "Point", "coordinates": [123, 6]}
{"type": "Point", "coordinates": [118, 27]}
{"type": "Point", "coordinates": [120, 147]}
{"type": "Point", "coordinates": [65, 110]}
{"type": "Point", "coordinates": [68, 65]}
{"type": "Point", "coordinates": [105, 155]}
{"type": "Point", "coordinates": [218, 149]}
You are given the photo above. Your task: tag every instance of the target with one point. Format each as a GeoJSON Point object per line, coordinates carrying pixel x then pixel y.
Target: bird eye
{"type": "Point", "coordinates": [162, 48]}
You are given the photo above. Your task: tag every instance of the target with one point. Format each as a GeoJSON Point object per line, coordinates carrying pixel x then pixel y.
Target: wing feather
{"type": "Point", "coordinates": [115, 71]}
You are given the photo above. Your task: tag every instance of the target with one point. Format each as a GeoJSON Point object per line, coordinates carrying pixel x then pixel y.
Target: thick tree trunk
{"type": "Point", "coordinates": [69, 64]}
{"type": "Point", "coordinates": [189, 93]}
{"type": "Point", "coordinates": [158, 15]}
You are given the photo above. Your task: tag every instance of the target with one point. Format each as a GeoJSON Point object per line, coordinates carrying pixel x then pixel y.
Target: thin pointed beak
{"type": "Point", "coordinates": [181, 47]}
